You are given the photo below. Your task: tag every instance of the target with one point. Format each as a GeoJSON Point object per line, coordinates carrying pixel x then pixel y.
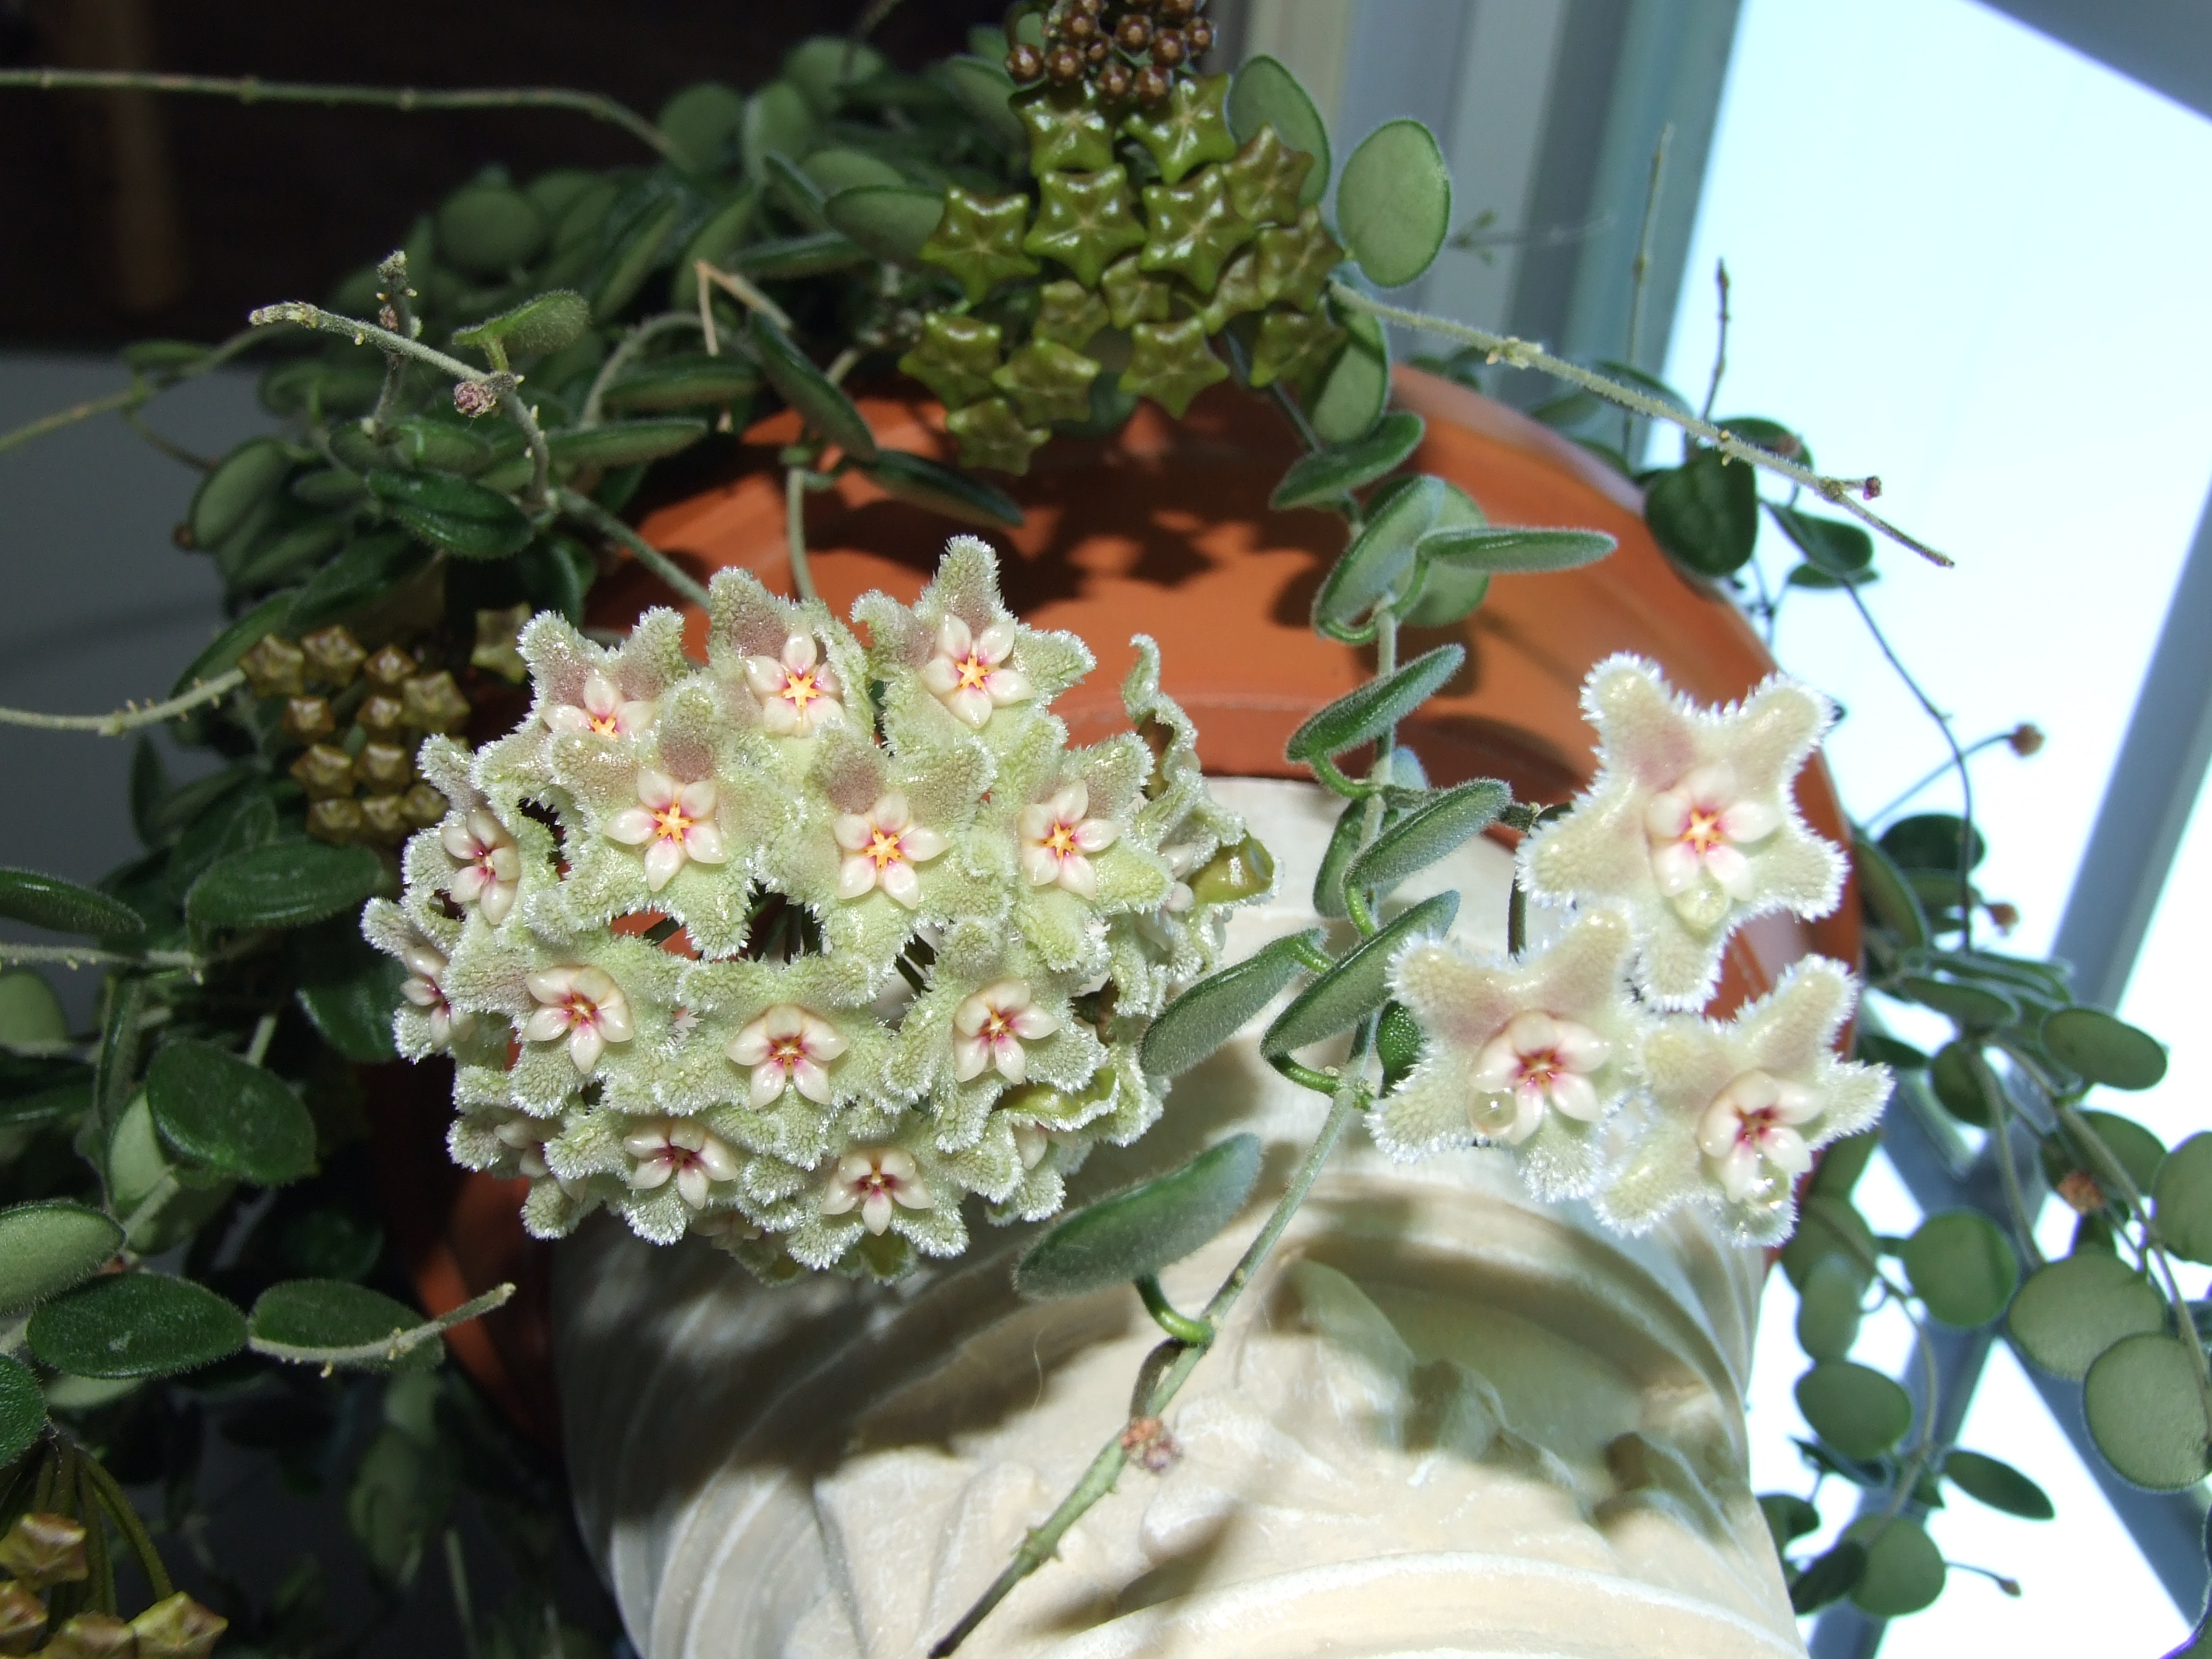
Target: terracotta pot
{"type": "Point", "coordinates": [1164, 529]}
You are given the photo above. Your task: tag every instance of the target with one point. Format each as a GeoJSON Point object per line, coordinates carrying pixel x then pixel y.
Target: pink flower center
{"type": "Point", "coordinates": [972, 669]}
{"type": "Point", "coordinates": [800, 687]}
{"type": "Point", "coordinates": [581, 1011]}
{"type": "Point", "coordinates": [1704, 832]}
{"type": "Point", "coordinates": [605, 726]}
{"type": "Point", "coordinates": [670, 823]}
{"type": "Point", "coordinates": [1060, 841]}
{"type": "Point", "coordinates": [786, 1052]}
{"type": "Point", "coordinates": [886, 846]}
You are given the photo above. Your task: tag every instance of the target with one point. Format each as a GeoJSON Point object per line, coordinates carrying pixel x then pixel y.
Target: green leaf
{"type": "Point", "coordinates": [1962, 1083]}
{"type": "Point", "coordinates": [489, 230]}
{"type": "Point", "coordinates": [1770, 435]}
{"type": "Point", "coordinates": [1360, 981]}
{"type": "Point", "coordinates": [219, 1111]}
{"type": "Point", "coordinates": [1888, 898]}
{"type": "Point", "coordinates": [366, 571]}
{"type": "Point", "coordinates": [288, 883]}
{"type": "Point", "coordinates": [1788, 1518]}
{"type": "Point", "coordinates": [619, 283]}
{"type": "Point", "coordinates": [63, 906]}
{"type": "Point", "coordinates": [1854, 1408]}
{"type": "Point", "coordinates": [1267, 95]}
{"type": "Point", "coordinates": [1904, 1571]}
{"type": "Point", "coordinates": [2183, 1194]}
{"type": "Point", "coordinates": [349, 991]}
{"type": "Point", "coordinates": [463, 518]}
{"type": "Point", "coordinates": [330, 1313]}
{"type": "Point", "coordinates": [820, 404]}
{"type": "Point", "coordinates": [2094, 1045]}
{"type": "Point", "coordinates": [983, 89]}
{"type": "Point", "coordinates": [793, 190]}
{"type": "Point", "coordinates": [1835, 548]}
{"type": "Point", "coordinates": [1815, 579]}
{"type": "Point", "coordinates": [787, 259]}
{"type": "Point", "coordinates": [1351, 399]}
{"type": "Point", "coordinates": [1328, 890]}
{"type": "Point", "coordinates": [1494, 550]}
{"type": "Point", "coordinates": [623, 443]}
{"type": "Point", "coordinates": [245, 477]}
{"type": "Point", "coordinates": [2140, 1152]}
{"type": "Point", "coordinates": [839, 168]}
{"type": "Point", "coordinates": [1705, 513]}
{"type": "Point", "coordinates": [1828, 1225]}
{"type": "Point", "coordinates": [1242, 871]}
{"type": "Point", "coordinates": [1376, 562]}
{"type": "Point", "coordinates": [1142, 1230]}
{"type": "Point", "coordinates": [30, 1012]}
{"type": "Point", "coordinates": [23, 1410]}
{"type": "Point", "coordinates": [1975, 1007]}
{"type": "Point", "coordinates": [1445, 822]}
{"type": "Point", "coordinates": [2070, 1312]}
{"type": "Point", "coordinates": [1362, 716]}
{"type": "Point", "coordinates": [1215, 1009]}
{"type": "Point", "coordinates": [136, 1324]}
{"type": "Point", "coordinates": [1319, 479]}
{"type": "Point", "coordinates": [1394, 203]}
{"type": "Point", "coordinates": [50, 1247]}
{"type": "Point", "coordinates": [1877, 1049]}
{"type": "Point", "coordinates": [778, 121]}
{"type": "Point", "coordinates": [1992, 1481]}
{"type": "Point", "coordinates": [957, 495]}
{"type": "Point", "coordinates": [1831, 1577]}
{"type": "Point", "coordinates": [1828, 1308]}
{"type": "Point", "coordinates": [890, 221]}
{"type": "Point", "coordinates": [1446, 593]}
{"type": "Point", "coordinates": [535, 328]}
{"type": "Point", "coordinates": [1930, 840]}
{"type": "Point", "coordinates": [1842, 1164]}
{"type": "Point", "coordinates": [1962, 1267]}
{"type": "Point", "coordinates": [160, 357]}
{"type": "Point", "coordinates": [690, 380]}
{"type": "Point", "coordinates": [702, 124]}
{"type": "Point", "coordinates": [2146, 1414]}
{"type": "Point", "coordinates": [1399, 1044]}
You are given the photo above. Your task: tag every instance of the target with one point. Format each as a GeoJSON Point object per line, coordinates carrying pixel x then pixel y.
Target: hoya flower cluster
{"type": "Point", "coordinates": [1583, 1057]}
{"type": "Point", "coordinates": [802, 949]}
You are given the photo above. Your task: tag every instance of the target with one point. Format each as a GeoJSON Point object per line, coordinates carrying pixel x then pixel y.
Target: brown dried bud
{"type": "Point", "coordinates": [43, 1549]}
{"type": "Point", "coordinates": [1200, 35]}
{"type": "Point", "coordinates": [388, 319]}
{"type": "Point", "coordinates": [334, 656]}
{"type": "Point", "coordinates": [422, 807]}
{"type": "Point", "coordinates": [1175, 11]}
{"type": "Point", "coordinates": [1168, 48]}
{"type": "Point", "coordinates": [1090, 8]}
{"type": "Point", "coordinates": [384, 767]}
{"type": "Point", "coordinates": [308, 719]}
{"type": "Point", "coordinates": [1096, 52]}
{"type": "Point", "coordinates": [1113, 81]}
{"type": "Point", "coordinates": [381, 715]}
{"type": "Point", "coordinates": [1079, 27]}
{"type": "Point", "coordinates": [1152, 85]}
{"type": "Point", "coordinates": [22, 1619]}
{"type": "Point", "coordinates": [381, 820]}
{"type": "Point", "coordinates": [1150, 1445]}
{"type": "Point", "coordinates": [1135, 33]}
{"type": "Point", "coordinates": [274, 667]}
{"type": "Point", "coordinates": [324, 771]}
{"type": "Point", "coordinates": [1870, 489]}
{"type": "Point", "coordinates": [336, 820]}
{"type": "Point", "coordinates": [1064, 64]}
{"type": "Point", "coordinates": [177, 1628]}
{"type": "Point", "coordinates": [1024, 62]}
{"type": "Point", "coordinates": [474, 398]}
{"type": "Point", "coordinates": [181, 537]}
{"type": "Point", "coordinates": [2025, 739]}
{"type": "Point", "coordinates": [92, 1635]}
{"type": "Point", "coordinates": [389, 667]}
{"type": "Point", "coordinates": [2080, 1189]}
{"type": "Point", "coordinates": [2006, 917]}
{"type": "Point", "coordinates": [434, 702]}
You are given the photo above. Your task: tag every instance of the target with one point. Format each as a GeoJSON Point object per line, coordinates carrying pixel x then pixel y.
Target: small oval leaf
{"type": "Point", "coordinates": [1889, 897]}
{"type": "Point", "coordinates": [23, 1410]}
{"type": "Point", "coordinates": [2070, 1312]}
{"type": "Point", "coordinates": [890, 221]}
{"type": "Point", "coordinates": [692, 380]}
{"type": "Point", "coordinates": [1319, 479]}
{"type": "Point", "coordinates": [63, 906]}
{"type": "Point", "coordinates": [1904, 1571]}
{"type": "Point", "coordinates": [1438, 827]}
{"type": "Point", "coordinates": [1394, 203]}
{"type": "Point", "coordinates": [1360, 981]}
{"type": "Point", "coordinates": [623, 443]}
{"type": "Point", "coordinates": [1830, 545]}
{"type": "Point", "coordinates": [138, 1324]}
{"type": "Point", "coordinates": [1991, 1481]}
{"type": "Point", "coordinates": [241, 481]}
{"type": "Point", "coordinates": [1215, 1009]}
{"type": "Point", "coordinates": [456, 515]}
{"type": "Point", "coordinates": [1352, 397]}
{"type": "Point", "coordinates": [1142, 1230]}
{"type": "Point", "coordinates": [1267, 95]}
{"type": "Point", "coordinates": [1975, 1007]}
{"type": "Point", "coordinates": [1828, 1309]}
{"type": "Point", "coordinates": [2136, 1149]}
{"type": "Point", "coordinates": [1831, 1576]}
{"type": "Point", "coordinates": [219, 1111]}
{"type": "Point", "coordinates": [2146, 1414]}
{"type": "Point", "coordinates": [330, 1313]}
{"type": "Point", "coordinates": [1495, 549]}
{"type": "Point", "coordinates": [50, 1247]}
{"type": "Point", "coordinates": [957, 495]}
{"type": "Point", "coordinates": [819, 402]}
{"type": "Point", "coordinates": [2183, 1192]}
{"type": "Point", "coordinates": [287, 883]}
{"type": "Point", "coordinates": [1376, 562]}
{"type": "Point", "coordinates": [535, 328]}
{"type": "Point", "coordinates": [1336, 861]}
{"type": "Point", "coordinates": [1854, 1408]}
{"type": "Point", "coordinates": [1962, 1267]}
{"type": "Point", "coordinates": [1366, 714]}
{"type": "Point", "coordinates": [1705, 513]}
{"type": "Point", "coordinates": [2093, 1044]}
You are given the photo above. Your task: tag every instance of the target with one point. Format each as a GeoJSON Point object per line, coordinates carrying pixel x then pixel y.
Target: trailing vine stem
{"type": "Point", "coordinates": [617, 360]}
{"type": "Point", "coordinates": [129, 717]}
{"type": "Point", "coordinates": [1523, 354]}
{"type": "Point", "coordinates": [142, 389]}
{"type": "Point", "coordinates": [584, 510]}
{"type": "Point", "coordinates": [252, 89]}
{"type": "Point", "coordinates": [794, 531]}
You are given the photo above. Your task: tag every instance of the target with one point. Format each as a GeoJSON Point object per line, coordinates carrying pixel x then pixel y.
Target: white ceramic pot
{"type": "Point", "coordinates": [1447, 1418]}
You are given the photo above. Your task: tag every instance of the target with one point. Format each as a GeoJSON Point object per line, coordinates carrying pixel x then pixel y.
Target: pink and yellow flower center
{"type": "Point", "coordinates": [974, 673]}
{"type": "Point", "coordinates": [886, 846]}
{"type": "Point", "coordinates": [801, 689]}
{"type": "Point", "coordinates": [669, 823]}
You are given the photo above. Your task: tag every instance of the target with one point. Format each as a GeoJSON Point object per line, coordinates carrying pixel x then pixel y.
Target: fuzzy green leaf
{"type": "Point", "coordinates": [1377, 562]}
{"type": "Point", "coordinates": [2070, 1312]}
{"type": "Point", "coordinates": [1142, 1230]}
{"type": "Point", "coordinates": [1319, 479]}
{"type": "Point", "coordinates": [1991, 1481]}
{"type": "Point", "coordinates": [1362, 716]}
{"type": "Point", "coordinates": [1962, 1267]}
{"type": "Point", "coordinates": [1854, 1408]}
{"type": "Point", "coordinates": [619, 283]}
{"type": "Point", "coordinates": [1445, 822]}
{"type": "Point", "coordinates": [623, 443]}
{"type": "Point", "coordinates": [1351, 399]}
{"type": "Point", "coordinates": [1705, 513]}
{"type": "Point", "coordinates": [1330, 884]}
{"type": "Point", "coordinates": [2094, 1045]}
{"type": "Point", "coordinates": [23, 1410]}
{"type": "Point", "coordinates": [890, 221]}
{"type": "Point", "coordinates": [136, 1324]}
{"type": "Point", "coordinates": [2145, 1414]}
{"type": "Point", "coordinates": [347, 990]}
{"type": "Point", "coordinates": [329, 1313]}
{"type": "Point", "coordinates": [217, 1111]}
{"type": "Point", "coordinates": [461, 517]}
{"type": "Point", "coordinates": [692, 380]}
{"type": "Point", "coordinates": [367, 570]}
{"type": "Point", "coordinates": [1394, 203]}
{"type": "Point", "coordinates": [819, 402]}
{"type": "Point", "coordinates": [287, 883]}
{"type": "Point", "coordinates": [49, 1246]}
{"type": "Point", "coordinates": [1494, 550]}
{"type": "Point", "coordinates": [1267, 95]}
{"type": "Point", "coordinates": [1360, 981]}
{"type": "Point", "coordinates": [241, 481]}
{"type": "Point", "coordinates": [1215, 1009]}
{"type": "Point", "coordinates": [535, 328]}
{"type": "Point", "coordinates": [63, 906]}
{"type": "Point", "coordinates": [960, 495]}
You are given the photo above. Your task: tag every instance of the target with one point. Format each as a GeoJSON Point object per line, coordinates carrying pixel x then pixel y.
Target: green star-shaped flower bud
{"type": "Point", "coordinates": [1265, 178]}
{"type": "Point", "coordinates": [1193, 229]}
{"type": "Point", "coordinates": [1086, 221]}
{"type": "Point", "coordinates": [1295, 261]}
{"type": "Point", "coordinates": [979, 241]}
{"type": "Point", "coordinates": [1049, 381]}
{"type": "Point", "coordinates": [1236, 293]}
{"type": "Point", "coordinates": [1191, 129]}
{"type": "Point", "coordinates": [954, 358]}
{"type": "Point", "coordinates": [1069, 315]}
{"type": "Point", "coordinates": [992, 435]}
{"type": "Point", "coordinates": [1132, 297]}
{"type": "Point", "coordinates": [1170, 363]}
{"type": "Point", "coordinates": [1067, 129]}
{"type": "Point", "coordinates": [1291, 343]}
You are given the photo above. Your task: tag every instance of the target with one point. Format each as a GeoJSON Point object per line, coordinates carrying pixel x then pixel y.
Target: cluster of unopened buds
{"type": "Point", "coordinates": [42, 1552]}
{"type": "Point", "coordinates": [1126, 49]}
{"type": "Point", "coordinates": [802, 949]}
{"type": "Point", "coordinates": [1584, 1056]}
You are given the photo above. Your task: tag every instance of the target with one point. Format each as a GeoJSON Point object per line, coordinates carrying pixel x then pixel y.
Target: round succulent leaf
{"type": "Point", "coordinates": [891, 221]}
{"type": "Point", "coordinates": [702, 123]}
{"type": "Point", "coordinates": [489, 230]}
{"type": "Point", "coordinates": [241, 481]}
{"type": "Point", "coordinates": [1904, 1570]}
{"type": "Point", "coordinates": [1439, 826]}
{"type": "Point", "coordinates": [1976, 1006]}
{"type": "Point", "coordinates": [623, 443]}
{"type": "Point", "coordinates": [2071, 1311]}
{"type": "Point", "coordinates": [2146, 1413]}
{"type": "Point", "coordinates": [219, 1111]}
{"type": "Point", "coordinates": [1380, 557]}
{"type": "Point", "coordinates": [287, 883]}
{"type": "Point", "coordinates": [50, 1246]}
{"type": "Point", "coordinates": [985, 91]}
{"type": "Point", "coordinates": [2138, 1151]}
{"type": "Point", "coordinates": [23, 1410]}
{"type": "Point", "coordinates": [1705, 513]}
{"type": "Point", "coordinates": [1215, 1009]}
{"type": "Point", "coordinates": [1832, 546]}
{"type": "Point", "coordinates": [136, 1324]}
{"type": "Point", "coordinates": [1827, 1225]}
{"type": "Point", "coordinates": [1141, 1231]}
{"type": "Point", "coordinates": [2093, 1044]}
{"type": "Point", "coordinates": [923, 482]}
{"type": "Point", "coordinates": [1831, 1576]}
{"type": "Point", "coordinates": [457, 515]}
{"type": "Point", "coordinates": [1854, 1408]}
{"type": "Point", "coordinates": [330, 1313]}
{"type": "Point", "coordinates": [2183, 1194]}
{"type": "Point", "coordinates": [1887, 896]}
{"type": "Point", "coordinates": [1265, 93]}
{"type": "Point", "coordinates": [1359, 983]}
{"type": "Point", "coordinates": [1788, 1518]}
{"type": "Point", "coordinates": [1362, 716]}
{"type": "Point", "coordinates": [1394, 203]}
{"type": "Point", "coordinates": [1828, 1308]}
{"type": "Point", "coordinates": [1962, 1267]}
{"type": "Point", "coordinates": [1357, 389]}
{"type": "Point", "coordinates": [63, 906]}
{"type": "Point", "coordinates": [1959, 1082]}
{"type": "Point", "coordinates": [1929, 841]}
{"type": "Point", "coordinates": [1993, 1481]}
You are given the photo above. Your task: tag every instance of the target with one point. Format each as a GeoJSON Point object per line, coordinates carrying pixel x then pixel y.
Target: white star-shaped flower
{"type": "Point", "coordinates": [989, 1028]}
{"type": "Point", "coordinates": [487, 864]}
{"type": "Point", "coordinates": [871, 1179]}
{"type": "Point", "coordinates": [1532, 1055]}
{"type": "Point", "coordinates": [425, 988]}
{"type": "Point", "coordinates": [681, 1150]}
{"type": "Point", "coordinates": [882, 846]}
{"type": "Point", "coordinates": [968, 672]}
{"type": "Point", "coordinates": [674, 822]}
{"type": "Point", "coordinates": [582, 1004]}
{"type": "Point", "coordinates": [787, 1047]}
{"type": "Point", "coordinates": [600, 710]}
{"type": "Point", "coordinates": [1690, 822]}
{"type": "Point", "coordinates": [1057, 837]}
{"type": "Point", "coordinates": [799, 693]}
{"type": "Point", "coordinates": [1736, 1111]}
